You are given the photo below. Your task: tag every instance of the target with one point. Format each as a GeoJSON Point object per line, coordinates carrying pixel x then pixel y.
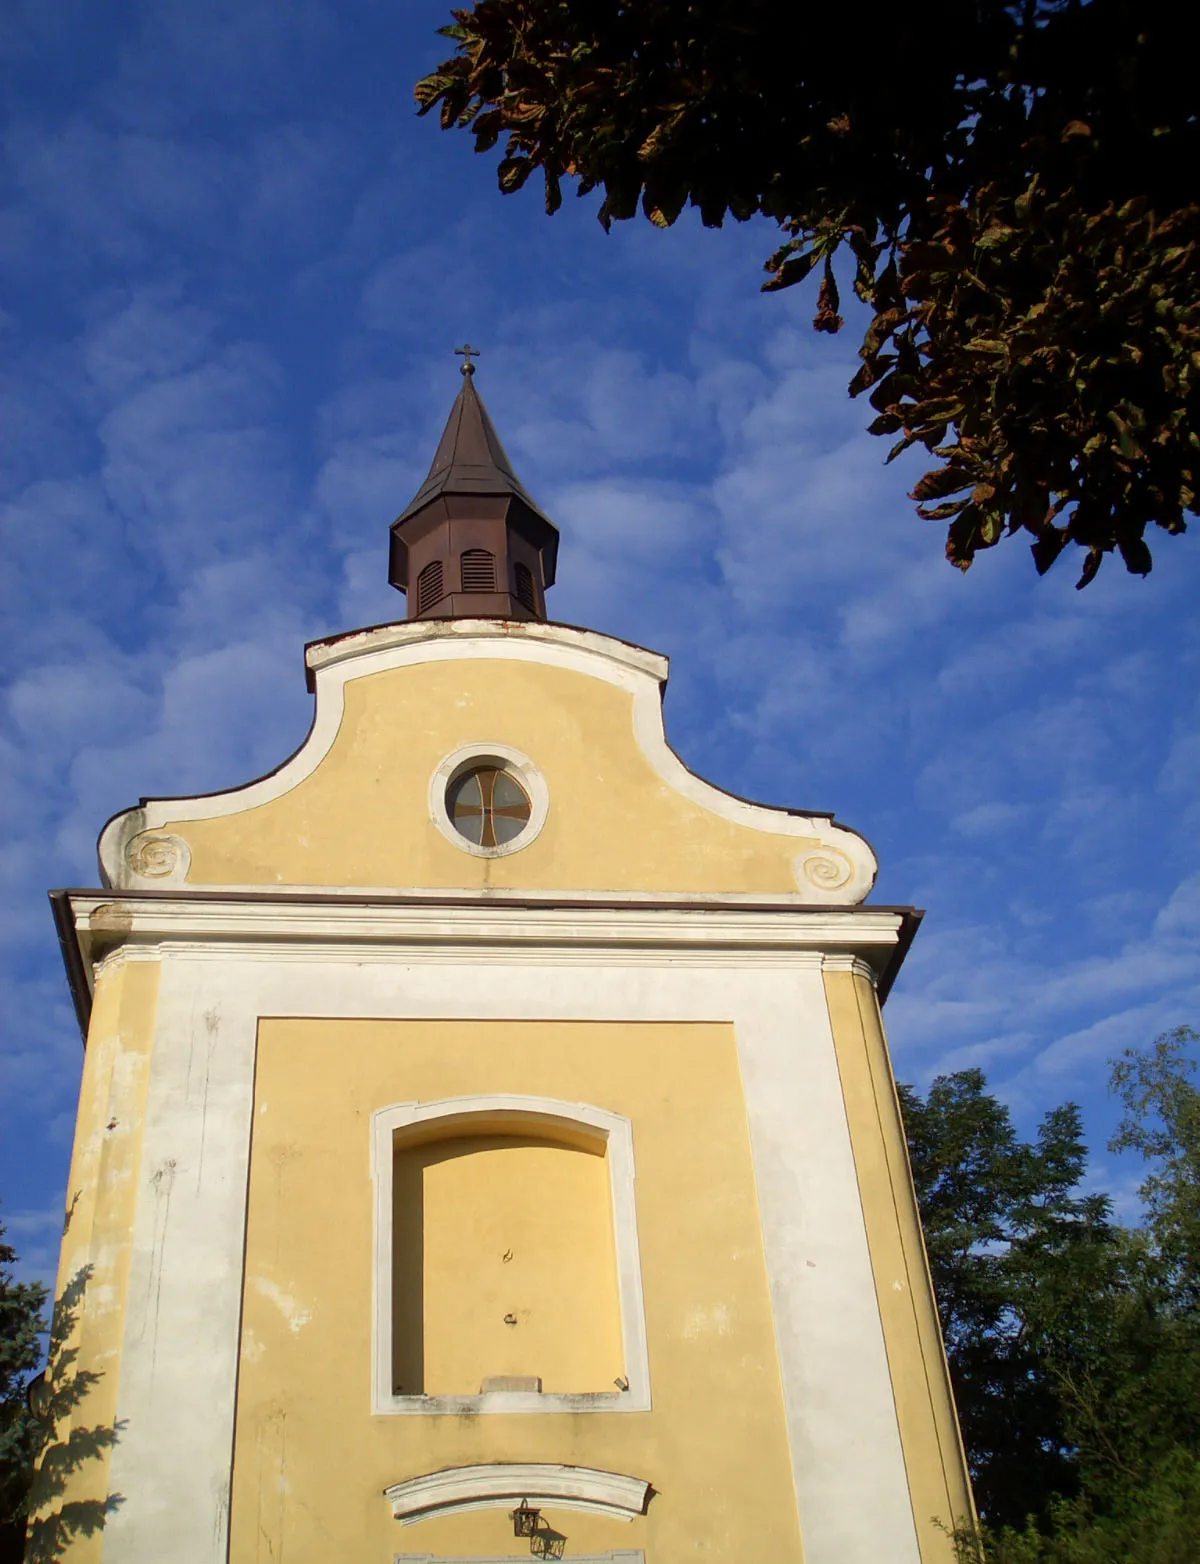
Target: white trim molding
{"type": "Point", "coordinates": [609, 1133]}
{"type": "Point", "coordinates": [500, 1483]}
{"type": "Point", "coordinates": [506, 758]}
{"type": "Point", "coordinates": [615, 1556]}
{"type": "Point", "coordinates": [837, 865]}
{"type": "Point", "coordinates": [229, 927]}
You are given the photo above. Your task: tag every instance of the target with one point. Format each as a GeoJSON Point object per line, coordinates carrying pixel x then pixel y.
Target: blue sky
{"type": "Point", "coordinates": [234, 266]}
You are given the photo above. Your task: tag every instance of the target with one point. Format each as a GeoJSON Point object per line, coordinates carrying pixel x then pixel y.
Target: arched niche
{"type": "Point", "coordinates": [507, 1273]}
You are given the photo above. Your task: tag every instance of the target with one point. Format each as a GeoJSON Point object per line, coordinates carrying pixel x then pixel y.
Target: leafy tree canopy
{"type": "Point", "coordinates": [21, 1326]}
{"type": "Point", "coordinates": [1074, 1342]}
{"type": "Point", "coordinates": [1007, 1230]}
{"type": "Point", "coordinates": [1014, 183]}
{"type": "Point", "coordinates": [1162, 1122]}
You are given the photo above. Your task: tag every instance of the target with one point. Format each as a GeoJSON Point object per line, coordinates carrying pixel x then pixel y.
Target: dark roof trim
{"type": "Point", "coordinates": [68, 943]}
{"type": "Point", "coordinates": [218, 792]}
{"type": "Point", "coordinates": [910, 923]}
{"type": "Point", "coordinates": [612, 902]}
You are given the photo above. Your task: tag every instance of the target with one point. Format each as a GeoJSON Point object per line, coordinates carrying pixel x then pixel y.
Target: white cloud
{"type": "Point", "coordinates": [145, 336]}
{"type": "Point", "coordinates": [990, 818]}
{"type": "Point", "coordinates": [1180, 918]}
{"type": "Point", "coordinates": [239, 56]}
{"type": "Point", "coordinates": [35, 1236]}
{"type": "Point", "coordinates": [117, 194]}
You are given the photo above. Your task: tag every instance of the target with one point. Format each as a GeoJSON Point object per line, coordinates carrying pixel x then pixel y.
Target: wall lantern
{"type": "Point", "coordinates": [525, 1519]}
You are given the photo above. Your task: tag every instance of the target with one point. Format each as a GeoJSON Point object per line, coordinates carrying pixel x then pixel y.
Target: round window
{"type": "Point", "coordinates": [488, 806]}
{"type": "Point", "coordinates": [488, 799]}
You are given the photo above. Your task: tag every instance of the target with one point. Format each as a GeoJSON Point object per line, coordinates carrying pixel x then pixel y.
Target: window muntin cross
{"type": "Point", "coordinates": [488, 806]}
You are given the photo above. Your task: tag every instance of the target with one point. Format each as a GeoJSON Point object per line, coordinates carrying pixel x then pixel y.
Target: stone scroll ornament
{"type": "Point", "coordinates": [156, 855]}
{"type": "Point", "coordinates": [826, 870]}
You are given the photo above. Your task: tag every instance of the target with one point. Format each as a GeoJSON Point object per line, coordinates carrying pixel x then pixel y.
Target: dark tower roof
{"type": "Point", "coordinates": [470, 458]}
{"type": "Point", "coordinates": [472, 515]}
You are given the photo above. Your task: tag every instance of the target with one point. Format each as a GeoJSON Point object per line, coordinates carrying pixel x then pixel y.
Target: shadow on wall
{"type": "Point", "coordinates": [67, 1445]}
{"type": "Point", "coordinates": [546, 1543]}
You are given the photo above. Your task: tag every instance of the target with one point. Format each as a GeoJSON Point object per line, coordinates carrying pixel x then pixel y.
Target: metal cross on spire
{"type": "Point", "coordinates": [468, 353]}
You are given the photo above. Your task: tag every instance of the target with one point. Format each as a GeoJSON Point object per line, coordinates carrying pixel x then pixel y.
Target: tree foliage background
{"type": "Point", "coordinates": [1014, 183]}
{"type": "Point", "coordinates": [22, 1305]}
{"type": "Point", "coordinates": [1073, 1340]}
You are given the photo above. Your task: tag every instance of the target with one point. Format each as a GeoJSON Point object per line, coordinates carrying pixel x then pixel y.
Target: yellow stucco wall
{"type": "Point", "coordinates": [71, 1493]}
{"type": "Point", "coordinates": [362, 817]}
{"type": "Point", "coordinates": [311, 1462]}
{"type": "Point", "coordinates": [529, 1222]}
{"type": "Point", "coordinates": [933, 1451]}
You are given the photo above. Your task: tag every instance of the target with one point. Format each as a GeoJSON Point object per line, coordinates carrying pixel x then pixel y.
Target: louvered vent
{"type": "Point", "coordinates": [478, 570]}
{"type": "Point", "coordinates": [525, 594]}
{"type": "Point", "coordinates": [430, 586]}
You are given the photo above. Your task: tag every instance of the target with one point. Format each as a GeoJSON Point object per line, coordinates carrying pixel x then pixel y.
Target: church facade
{"type": "Point", "coordinates": [488, 1145]}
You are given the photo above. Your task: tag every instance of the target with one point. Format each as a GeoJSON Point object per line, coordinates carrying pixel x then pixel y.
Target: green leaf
{"type": "Point", "coordinates": [900, 447]}
{"type": "Point", "coordinates": [663, 201]}
{"type": "Point", "coordinates": [961, 539]}
{"type": "Point", "coordinates": [795, 269]}
{"type": "Point", "coordinates": [991, 527]}
{"type": "Point", "coordinates": [1023, 206]}
{"type": "Point", "coordinates": [881, 328]}
{"type": "Point", "coordinates": [827, 317]}
{"type": "Point", "coordinates": [1047, 549]}
{"type": "Point", "coordinates": [659, 136]}
{"type": "Point", "coordinates": [870, 372]}
{"type": "Point", "coordinates": [886, 423]}
{"type": "Point", "coordinates": [1126, 443]}
{"type": "Point", "coordinates": [942, 480]}
{"type": "Point", "coordinates": [1091, 565]}
{"type": "Point", "coordinates": [513, 172]}
{"type": "Point", "coordinates": [941, 512]}
{"type": "Point", "coordinates": [1136, 556]}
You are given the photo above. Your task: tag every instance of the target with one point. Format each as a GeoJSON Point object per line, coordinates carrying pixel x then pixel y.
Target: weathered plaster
{"type": "Point", "coordinates": [934, 1457]}
{"type": "Point", "coordinates": [847, 1464]}
{"type": "Point", "coordinates": [93, 1278]}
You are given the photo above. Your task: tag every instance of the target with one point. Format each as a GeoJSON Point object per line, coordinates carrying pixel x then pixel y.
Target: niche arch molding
{"type": "Point", "coordinates": [591, 1128]}
{"type": "Point", "coordinates": [503, 1484]}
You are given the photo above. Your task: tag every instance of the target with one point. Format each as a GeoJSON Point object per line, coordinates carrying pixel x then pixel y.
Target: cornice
{"type": "Point", "coordinates": [108, 930]}
{"type": "Point", "coordinates": [111, 920]}
{"type": "Point", "coordinates": [101, 931]}
{"type": "Point", "coordinates": [420, 632]}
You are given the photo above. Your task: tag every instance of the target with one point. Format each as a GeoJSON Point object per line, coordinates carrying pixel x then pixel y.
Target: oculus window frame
{"type": "Point", "coordinates": [504, 758]}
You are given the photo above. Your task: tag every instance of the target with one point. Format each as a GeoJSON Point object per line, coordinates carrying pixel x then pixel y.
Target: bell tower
{"type": "Point", "coordinates": [471, 543]}
{"type": "Point", "coordinates": [487, 1145]}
